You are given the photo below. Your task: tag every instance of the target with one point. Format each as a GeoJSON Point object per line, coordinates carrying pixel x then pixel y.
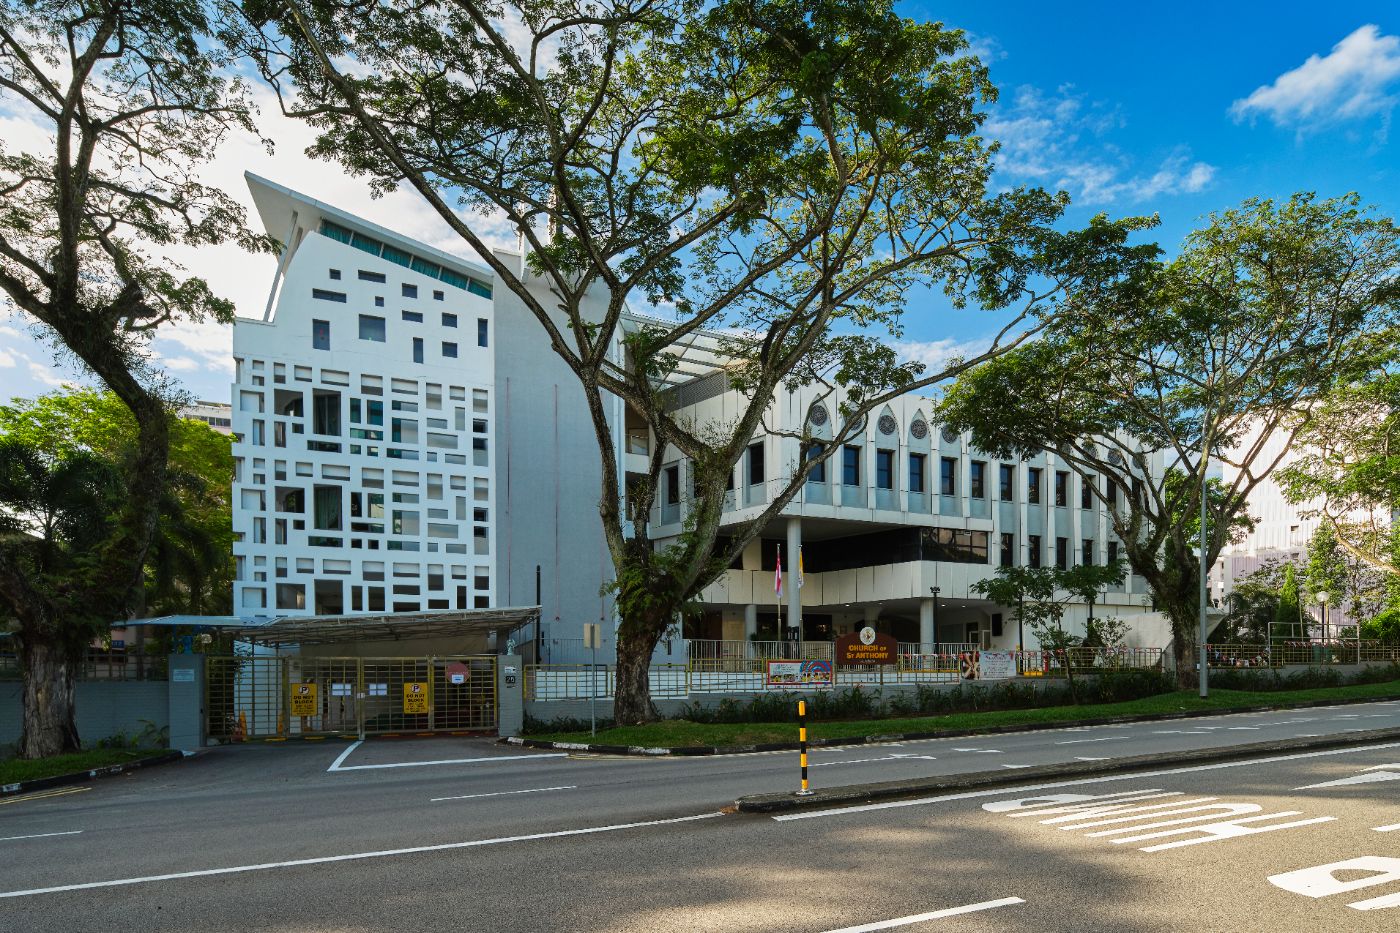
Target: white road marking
{"type": "Point", "coordinates": [1387, 829]}
{"type": "Point", "coordinates": [71, 832]}
{"type": "Point", "coordinates": [1367, 776]}
{"type": "Point", "coordinates": [446, 761]}
{"type": "Point", "coordinates": [931, 915]}
{"type": "Point", "coordinates": [980, 751]}
{"type": "Point", "coordinates": [335, 765]}
{"type": "Point", "coordinates": [353, 856]}
{"type": "Point", "coordinates": [1107, 738]}
{"type": "Point", "coordinates": [1090, 758]}
{"type": "Point", "coordinates": [1016, 766]}
{"type": "Point", "coordinates": [1134, 776]}
{"type": "Point", "coordinates": [505, 793]}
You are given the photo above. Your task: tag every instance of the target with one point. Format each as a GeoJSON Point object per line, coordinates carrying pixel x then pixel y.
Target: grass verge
{"type": "Point", "coordinates": [15, 770]}
{"type": "Point", "coordinates": [674, 733]}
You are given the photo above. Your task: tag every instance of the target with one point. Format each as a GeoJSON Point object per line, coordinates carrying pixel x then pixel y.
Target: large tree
{"type": "Point", "coordinates": [1216, 357]}
{"type": "Point", "coordinates": [190, 566]}
{"type": "Point", "coordinates": [784, 172]}
{"type": "Point", "coordinates": [122, 100]}
{"type": "Point", "coordinates": [1347, 472]}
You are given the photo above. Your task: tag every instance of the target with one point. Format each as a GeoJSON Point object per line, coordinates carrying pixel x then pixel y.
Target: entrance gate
{"type": "Point", "coordinates": [250, 697]}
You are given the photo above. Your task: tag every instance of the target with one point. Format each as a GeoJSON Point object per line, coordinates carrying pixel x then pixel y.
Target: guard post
{"type": "Point", "coordinates": [802, 741]}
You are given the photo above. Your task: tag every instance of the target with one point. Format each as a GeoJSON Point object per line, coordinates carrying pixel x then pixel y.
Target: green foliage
{"type": "Point", "coordinates": [1348, 469]}
{"type": "Point", "coordinates": [1385, 627]}
{"type": "Point", "coordinates": [1039, 596]}
{"type": "Point", "coordinates": [190, 564]}
{"type": "Point", "coordinates": [1288, 617]}
{"type": "Point", "coordinates": [1106, 632]}
{"type": "Point", "coordinates": [127, 100]}
{"type": "Point", "coordinates": [782, 172]}
{"type": "Point", "coordinates": [1327, 569]}
{"type": "Point", "coordinates": [1264, 311]}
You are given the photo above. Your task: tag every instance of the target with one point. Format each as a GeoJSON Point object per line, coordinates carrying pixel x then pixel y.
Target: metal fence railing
{"type": "Point", "coordinates": [100, 665]}
{"type": "Point", "coordinates": [732, 673]}
{"type": "Point", "coordinates": [1298, 652]}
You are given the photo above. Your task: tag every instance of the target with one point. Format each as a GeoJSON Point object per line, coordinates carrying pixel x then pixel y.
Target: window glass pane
{"type": "Point", "coordinates": [371, 328]}
{"type": "Point", "coordinates": [884, 469]}
{"type": "Point", "coordinates": [850, 466]}
{"type": "Point", "coordinates": [417, 349]}
{"type": "Point", "coordinates": [916, 472]}
{"type": "Point", "coordinates": [320, 335]}
{"type": "Point", "coordinates": [948, 477]}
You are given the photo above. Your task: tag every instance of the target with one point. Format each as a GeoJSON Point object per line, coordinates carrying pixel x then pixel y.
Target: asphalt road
{"type": "Point", "coordinates": [462, 834]}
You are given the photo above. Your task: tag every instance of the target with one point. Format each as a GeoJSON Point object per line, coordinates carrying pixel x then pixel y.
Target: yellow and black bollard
{"type": "Point", "coordinates": [802, 739]}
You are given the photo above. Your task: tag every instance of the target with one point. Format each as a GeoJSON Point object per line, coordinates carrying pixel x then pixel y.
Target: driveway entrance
{"type": "Point", "coordinates": [252, 697]}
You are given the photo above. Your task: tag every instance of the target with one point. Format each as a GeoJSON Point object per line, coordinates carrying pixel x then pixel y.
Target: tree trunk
{"type": "Point", "coordinates": [632, 699]}
{"type": "Point", "coordinates": [50, 727]}
{"type": "Point", "coordinates": [1185, 624]}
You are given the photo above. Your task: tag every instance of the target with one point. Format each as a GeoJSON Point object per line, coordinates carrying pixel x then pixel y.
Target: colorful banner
{"type": "Point", "coordinates": [799, 674]}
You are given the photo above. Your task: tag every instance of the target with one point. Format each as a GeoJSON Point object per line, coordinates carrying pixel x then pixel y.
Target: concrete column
{"type": "Point", "coordinates": [872, 616]}
{"type": "Point", "coordinates": [750, 621]}
{"type": "Point", "coordinates": [510, 695]}
{"type": "Point", "coordinates": [926, 621]}
{"type": "Point", "coordinates": [794, 592]}
{"type": "Point", "coordinates": [186, 701]}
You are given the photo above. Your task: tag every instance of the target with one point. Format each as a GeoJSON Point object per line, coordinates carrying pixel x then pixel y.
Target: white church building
{"type": "Point", "coordinates": [407, 441]}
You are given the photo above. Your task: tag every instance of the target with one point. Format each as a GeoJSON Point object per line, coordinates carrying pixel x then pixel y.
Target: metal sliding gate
{"type": "Point", "coordinates": [251, 697]}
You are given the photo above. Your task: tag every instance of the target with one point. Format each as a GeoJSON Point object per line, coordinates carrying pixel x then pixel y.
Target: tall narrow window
{"type": "Point", "coordinates": [947, 476]}
{"type": "Point", "coordinates": [916, 473]}
{"type": "Point", "coordinates": [1112, 553]}
{"type": "Point", "coordinates": [817, 473]}
{"type": "Point", "coordinates": [1033, 550]}
{"type": "Point", "coordinates": [1086, 493]}
{"type": "Point", "coordinates": [1007, 482]}
{"type": "Point", "coordinates": [1061, 488]}
{"type": "Point", "coordinates": [1033, 488]}
{"type": "Point", "coordinates": [1087, 553]}
{"type": "Point", "coordinates": [850, 465]}
{"type": "Point", "coordinates": [884, 469]}
{"type": "Point", "coordinates": [417, 349]}
{"type": "Point", "coordinates": [481, 331]}
{"type": "Point", "coordinates": [320, 335]}
{"type": "Point", "coordinates": [1111, 493]}
{"type": "Point", "coordinates": [977, 480]}
{"type": "Point", "coordinates": [1062, 553]}
{"type": "Point", "coordinates": [673, 485]}
{"type": "Point", "coordinates": [1008, 549]}
{"type": "Point", "coordinates": [755, 464]}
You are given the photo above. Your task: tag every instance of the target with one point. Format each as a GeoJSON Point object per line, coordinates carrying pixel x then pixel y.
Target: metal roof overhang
{"type": "Point", "coordinates": [325, 630]}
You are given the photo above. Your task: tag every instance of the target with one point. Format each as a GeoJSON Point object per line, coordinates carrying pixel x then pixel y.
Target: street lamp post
{"type": "Point", "coordinates": [1322, 598]}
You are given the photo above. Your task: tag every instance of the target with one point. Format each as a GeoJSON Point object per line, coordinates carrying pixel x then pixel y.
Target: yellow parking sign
{"type": "Point", "coordinates": [415, 697]}
{"type": "Point", "coordinates": [303, 699]}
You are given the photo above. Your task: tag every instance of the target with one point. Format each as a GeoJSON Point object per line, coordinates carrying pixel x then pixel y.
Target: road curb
{"type": "Point", "coordinates": [704, 750]}
{"type": "Point", "coordinates": [894, 790]}
{"type": "Point", "coordinates": [78, 777]}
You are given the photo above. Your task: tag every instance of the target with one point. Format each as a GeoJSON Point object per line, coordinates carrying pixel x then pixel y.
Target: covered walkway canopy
{"type": "Point", "coordinates": [280, 631]}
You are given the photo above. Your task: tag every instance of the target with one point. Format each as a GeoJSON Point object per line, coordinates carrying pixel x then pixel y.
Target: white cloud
{"type": "Point", "coordinates": [1351, 82]}
{"type": "Point", "coordinates": [7, 360]}
{"type": "Point", "coordinates": [243, 278]}
{"type": "Point", "coordinates": [935, 354]}
{"type": "Point", "coordinates": [1060, 141]}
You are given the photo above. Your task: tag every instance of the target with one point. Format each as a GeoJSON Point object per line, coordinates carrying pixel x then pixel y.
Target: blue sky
{"type": "Point", "coordinates": [1178, 110]}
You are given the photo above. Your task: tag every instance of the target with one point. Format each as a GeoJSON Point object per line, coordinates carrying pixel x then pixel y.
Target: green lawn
{"type": "Point", "coordinates": [14, 770]}
{"type": "Point", "coordinates": [680, 733]}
